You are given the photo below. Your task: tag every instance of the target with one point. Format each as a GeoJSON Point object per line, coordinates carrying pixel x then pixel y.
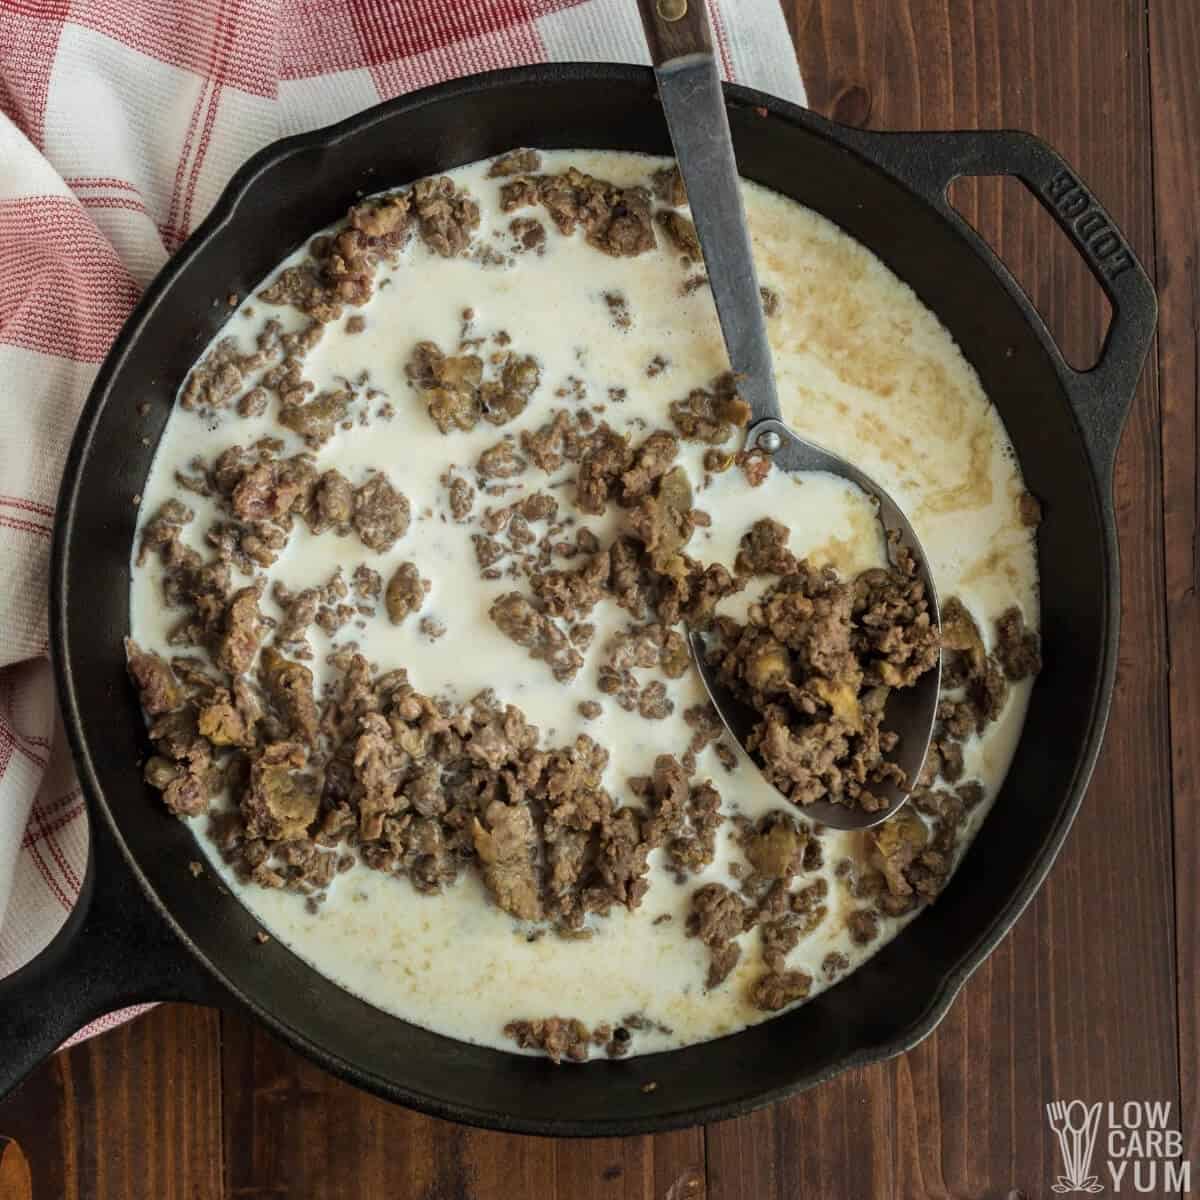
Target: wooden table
{"type": "Point", "coordinates": [1094, 994]}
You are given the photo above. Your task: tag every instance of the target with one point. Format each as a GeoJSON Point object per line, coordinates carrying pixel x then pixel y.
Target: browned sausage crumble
{"type": "Point", "coordinates": [615, 220]}
{"type": "Point", "coordinates": [417, 787]}
{"type": "Point", "coordinates": [459, 396]}
{"type": "Point", "coordinates": [816, 659]}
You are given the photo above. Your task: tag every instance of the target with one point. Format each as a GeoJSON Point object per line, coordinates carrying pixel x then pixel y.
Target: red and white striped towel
{"type": "Point", "coordinates": [120, 122]}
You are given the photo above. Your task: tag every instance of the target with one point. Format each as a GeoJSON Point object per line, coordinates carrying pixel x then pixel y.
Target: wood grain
{"type": "Point", "coordinates": [1092, 995]}
{"type": "Point", "coordinates": [294, 1133]}
{"type": "Point", "coordinates": [1174, 52]}
{"type": "Point", "coordinates": [134, 1113]}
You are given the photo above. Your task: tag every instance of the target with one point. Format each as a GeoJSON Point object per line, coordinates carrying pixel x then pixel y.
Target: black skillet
{"type": "Point", "coordinates": [145, 929]}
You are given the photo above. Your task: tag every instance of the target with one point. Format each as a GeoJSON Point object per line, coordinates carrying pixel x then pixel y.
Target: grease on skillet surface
{"type": "Point", "coordinates": [409, 586]}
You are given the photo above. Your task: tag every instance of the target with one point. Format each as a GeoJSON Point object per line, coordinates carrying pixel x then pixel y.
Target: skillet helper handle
{"type": "Point", "coordinates": [1101, 396]}
{"type": "Point", "coordinates": [114, 950]}
{"type": "Point", "coordinates": [675, 28]}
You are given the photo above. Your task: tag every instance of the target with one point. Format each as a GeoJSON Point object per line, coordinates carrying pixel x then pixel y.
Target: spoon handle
{"type": "Point", "coordinates": [680, 42]}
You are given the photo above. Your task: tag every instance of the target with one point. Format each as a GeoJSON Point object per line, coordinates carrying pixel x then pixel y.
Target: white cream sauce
{"type": "Point", "coordinates": [863, 368]}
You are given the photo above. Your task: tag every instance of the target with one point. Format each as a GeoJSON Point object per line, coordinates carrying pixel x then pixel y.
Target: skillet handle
{"type": "Point", "coordinates": [114, 950]}
{"type": "Point", "coordinates": [930, 162]}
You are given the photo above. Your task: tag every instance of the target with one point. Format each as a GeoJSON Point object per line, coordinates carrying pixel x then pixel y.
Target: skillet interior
{"type": "Point", "coordinates": [888, 1004]}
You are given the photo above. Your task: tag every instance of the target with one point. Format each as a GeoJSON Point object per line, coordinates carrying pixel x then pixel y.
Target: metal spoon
{"type": "Point", "coordinates": [680, 41]}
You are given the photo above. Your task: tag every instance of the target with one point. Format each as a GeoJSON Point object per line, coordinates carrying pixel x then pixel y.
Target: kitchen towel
{"type": "Point", "coordinates": [120, 123]}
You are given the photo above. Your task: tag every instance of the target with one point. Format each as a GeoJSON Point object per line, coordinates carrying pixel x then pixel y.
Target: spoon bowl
{"type": "Point", "coordinates": [910, 712]}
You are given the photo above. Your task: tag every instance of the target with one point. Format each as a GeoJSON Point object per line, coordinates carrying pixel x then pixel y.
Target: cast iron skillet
{"type": "Point", "coordinates": [145, 929]}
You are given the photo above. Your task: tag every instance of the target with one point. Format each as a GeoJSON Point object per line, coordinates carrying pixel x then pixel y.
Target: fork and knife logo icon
{"type": "Point", "coordinates": [1075, 1124]}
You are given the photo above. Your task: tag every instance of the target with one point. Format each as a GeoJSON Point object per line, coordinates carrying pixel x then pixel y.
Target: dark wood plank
{"type": "Point", "coordinates": [1080, 999]}
{"type": "Point", "coordinates": [832, 1141]}
{"type": "Point", "coordinates": [1174, 52]}
{"type": "Point", "coordinates": [291, 1131]}
{"type": "Point", "coordinates": [134, 1112]}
